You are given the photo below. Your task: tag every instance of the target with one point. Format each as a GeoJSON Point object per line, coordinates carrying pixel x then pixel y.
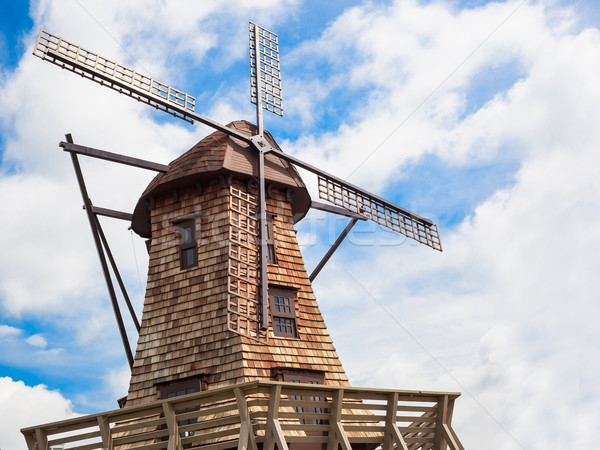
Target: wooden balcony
{"type": "Point", "coordinates": [265, 414]}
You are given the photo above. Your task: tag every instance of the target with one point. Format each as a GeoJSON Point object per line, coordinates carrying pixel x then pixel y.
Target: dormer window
{"type": "Point", "coordinates": [188, 246]}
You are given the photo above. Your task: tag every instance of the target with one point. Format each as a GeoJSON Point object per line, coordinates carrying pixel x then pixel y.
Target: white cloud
{"type": "Point", "coordinates": [117, 381]}
{"type": "Point", "coordinates": [37, 340]}
{"type": "Point", "coordinates": [24, 406]}
{"type": "Point", "coordinates": [7, 331]}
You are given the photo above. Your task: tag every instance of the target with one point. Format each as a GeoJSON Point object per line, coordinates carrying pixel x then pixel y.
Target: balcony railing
{"type": "Point", "coordinates": [265, 414]}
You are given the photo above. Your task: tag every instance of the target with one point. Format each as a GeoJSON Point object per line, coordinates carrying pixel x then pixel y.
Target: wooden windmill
{"type": "Point", "coordinates": [228, 299]}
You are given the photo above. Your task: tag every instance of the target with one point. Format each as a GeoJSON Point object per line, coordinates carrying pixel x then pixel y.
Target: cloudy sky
{"type": "Point", "coordinates": [482, 116]}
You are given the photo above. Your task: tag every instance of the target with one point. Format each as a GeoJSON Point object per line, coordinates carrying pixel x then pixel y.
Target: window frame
{"type": "Point", "coordinates": [185, 246]}
{"type": "Point", "coordinates": [277, 313]}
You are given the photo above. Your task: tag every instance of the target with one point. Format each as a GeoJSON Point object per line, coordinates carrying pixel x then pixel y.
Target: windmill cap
{"type": "Point", "coordinates": [220, 154]}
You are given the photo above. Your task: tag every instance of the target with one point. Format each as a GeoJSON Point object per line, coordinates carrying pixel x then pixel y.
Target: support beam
{"type": "Point", "coordinates": [332, 249]}
{"type": "Point", "coordinates": [31, 441]}
{"type": "Point", "coordinates": [335, 210]}
{"type": "Point", "coordinates": [112, 213]}
{"type": "Point", "coordinates": [247, 439]}
{"type": "Point", "coordinates": [117, 275]}
{"type": "Point", "coordinates": [107, 278]}
{"type": "Point", "coordinates": [114, 157]}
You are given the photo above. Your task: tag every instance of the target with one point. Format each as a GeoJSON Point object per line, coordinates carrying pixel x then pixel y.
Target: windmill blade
{"type": "Point", "coordinates": [370, 206]}
{"type": "Point", "coordinates": [124, 80]}
{"type": "Point", "coordinates": [265, 73]}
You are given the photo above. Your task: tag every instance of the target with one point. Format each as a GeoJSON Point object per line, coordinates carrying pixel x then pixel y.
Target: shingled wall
{"type": "Point", "coordinates": [184, 324]}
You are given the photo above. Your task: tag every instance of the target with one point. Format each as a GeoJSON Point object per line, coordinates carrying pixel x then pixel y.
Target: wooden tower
{"type": "Point", "coordinates": [200, 326]}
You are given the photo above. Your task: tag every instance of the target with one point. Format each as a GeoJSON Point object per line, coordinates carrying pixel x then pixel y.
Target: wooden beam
{"type": "Point", "coordinates": [173, 427]}
{"type": "Point", "coordinates": [247, 439]}
{"type": "Point", "coordinates": [440, 421]}
{"type": "Point", "coordinates": [113, 157]}
{"type": "Point", "coordinates": [335, 210]}
{"type": "Point", "coordinates": [30, 440]}
{"type": "Point", "coordinates": [112, 213]}
{"type": "Point", "coordinates": [332, 249]}
{"type": "Point", "coordinates": [452, 439]}
{"type": "Point", "coordinates": [337, 435]}
{"type": "Point", "coordinates": [104, 425]}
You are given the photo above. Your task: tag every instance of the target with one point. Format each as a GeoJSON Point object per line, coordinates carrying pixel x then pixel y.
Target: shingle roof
{"type": "Point", "coordinates": [218, 154]}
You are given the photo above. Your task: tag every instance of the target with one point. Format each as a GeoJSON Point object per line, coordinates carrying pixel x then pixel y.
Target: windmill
{"type": "Point", "coordinates": [228, 299]}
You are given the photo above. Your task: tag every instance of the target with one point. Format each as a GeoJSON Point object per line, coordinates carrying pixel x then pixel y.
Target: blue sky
{"type": "Point", "coordinates": [480, 115]}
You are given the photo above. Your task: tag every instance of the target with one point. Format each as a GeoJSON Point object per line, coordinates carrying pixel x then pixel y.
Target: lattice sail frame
{"type": "Point", "coordinates": [266, 70]}
{"type": "Point", "coordinates": [109, 73]}
{"type": "Point", "coordinates": [243, 296]}
{"type": "Point", "coordinates": [384, 214]}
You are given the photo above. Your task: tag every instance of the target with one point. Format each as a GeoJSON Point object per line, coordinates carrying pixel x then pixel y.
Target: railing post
{"type": "Point", "coordinates": [337, 435]}
{"type": "Point", "coordinates": [440, 421]}
{"type": "Point", "coordinates": [41, 438]}
{"type": "Point", "coordinates": [104, 425]}
{"type": "Point", "coordinates": [246, 431]}
{"type": "Point", "coordinates": [392, 433]}
{"type": "Point", "coordinates": [174, 437]}
{"type": "Point", "coordinates": [273, 432]}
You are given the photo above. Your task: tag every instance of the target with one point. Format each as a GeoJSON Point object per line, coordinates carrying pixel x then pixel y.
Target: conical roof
{"type": "Point", "coordinates": [217, 154]}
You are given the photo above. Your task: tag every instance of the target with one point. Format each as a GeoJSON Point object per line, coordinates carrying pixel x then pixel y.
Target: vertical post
{"type": "Point", "coordinates": [264, 280]}
{"type": "Point", "coordinates": [41, 438]}
{"type": "Point", "coordinates": [337, 435]}
{"type": "Point", "coordinates": [93, 225]}
{"type": "Point", "coordinates": [174, 437]}
{"type": "Point", "coordinates": [392, 433]}
{"type": "Point", "coordinates": [440, 421]}
{"type": "Point", "coordinates": [273, 432]}
{"type": "Point", "coordinates": [104, 425]}
{"type": "Point", "coordinates": [246, 432]}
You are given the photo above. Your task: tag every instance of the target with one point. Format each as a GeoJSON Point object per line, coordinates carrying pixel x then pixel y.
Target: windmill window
{"type": "Point", "coordinates": [283, 313]}
{"type": "Point", "coordinates": [308, 378]}
{"type": "Point", "coordinates": [271, 253]}
{"type": "Point", "coordinates": [188, 246]}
